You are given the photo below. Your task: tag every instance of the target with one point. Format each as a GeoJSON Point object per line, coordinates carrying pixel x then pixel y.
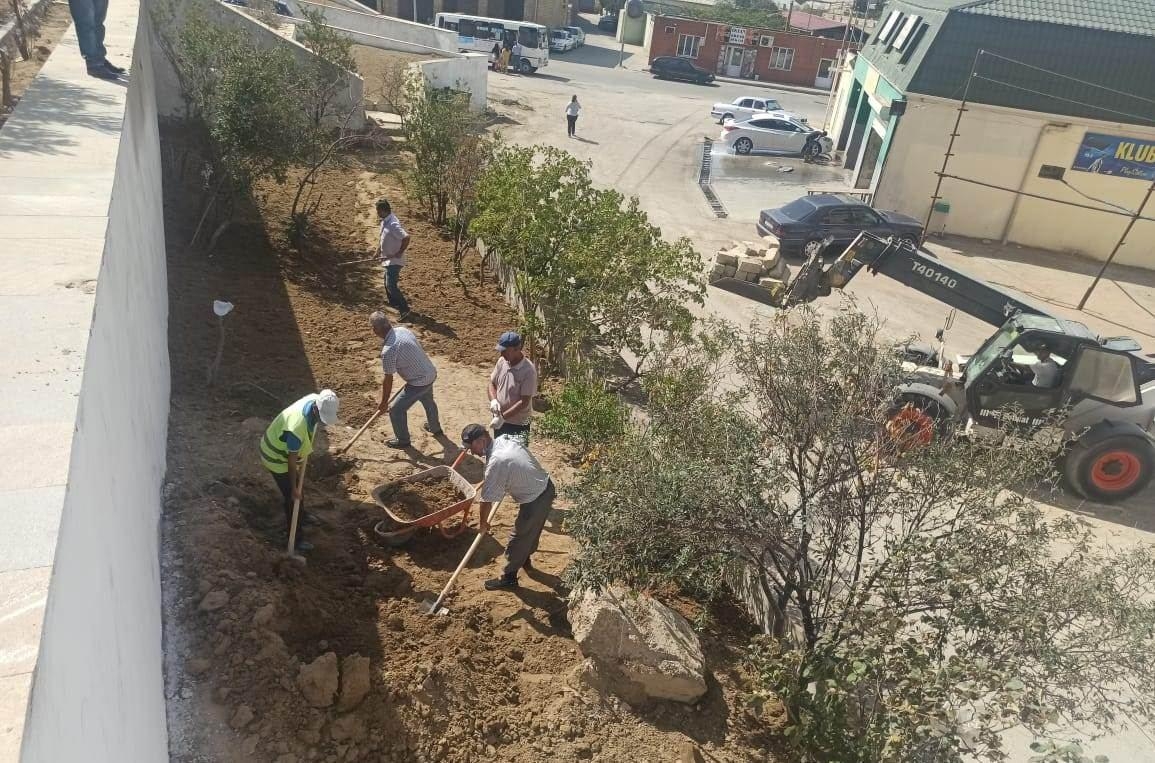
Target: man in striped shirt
{"type": "Point", "coordinates": [401, 354]}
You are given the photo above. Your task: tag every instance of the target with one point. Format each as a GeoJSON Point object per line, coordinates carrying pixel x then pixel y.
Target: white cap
{"type": "Point", "coordinates": [327, 405]}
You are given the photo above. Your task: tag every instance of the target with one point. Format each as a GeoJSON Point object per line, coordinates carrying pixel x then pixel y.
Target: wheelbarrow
{"type": "Point", "coordinates": [395, 530]}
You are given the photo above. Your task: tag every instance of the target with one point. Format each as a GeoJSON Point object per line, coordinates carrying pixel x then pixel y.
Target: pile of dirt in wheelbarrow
{"type": "Point", "coordinates": [413, 500]}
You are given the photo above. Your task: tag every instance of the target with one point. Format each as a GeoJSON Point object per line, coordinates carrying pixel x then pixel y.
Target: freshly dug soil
{"type": "Point", "coordinates": [413, 500]}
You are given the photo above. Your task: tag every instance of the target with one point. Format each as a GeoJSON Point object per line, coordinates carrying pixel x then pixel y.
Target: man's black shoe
{"type": "Point", "coordinates": [397, 444]}
{"type": "Point", "coordinates": [117, 70]}
{"type": "Point", "coordinates": [500, 584]}
{"type": "Point", "coordinates": [102, 72]}
{"type": "Point", "coordinates": [304, 547]}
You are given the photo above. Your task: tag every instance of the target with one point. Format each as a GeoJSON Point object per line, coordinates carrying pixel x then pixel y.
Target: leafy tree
{"type": "Point", "coordinates": [589, 268]}
{"type": "Point", "coordinates": [918, 602]}
{"type": "Point", "coordinates": [437, 125]}
{"type": "Point", "coordinates": [325, 76]}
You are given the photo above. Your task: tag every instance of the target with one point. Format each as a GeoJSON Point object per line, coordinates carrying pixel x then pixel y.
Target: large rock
{"type": "Point", "coordinates": [640, 648]}
{"type": "Point", "coordinates": [318, 680]}
{"type": "Point", "coordinates": [355, 680]}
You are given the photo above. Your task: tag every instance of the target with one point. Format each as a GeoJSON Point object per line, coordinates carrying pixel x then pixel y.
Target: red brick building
{"type": "Point", "coordinates": [749, 53]}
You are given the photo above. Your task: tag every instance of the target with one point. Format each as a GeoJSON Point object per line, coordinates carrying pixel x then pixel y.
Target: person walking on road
{"type": "Point", "coordinates": [402, 354]}
{"type": "Point", "coordinates": [572, 109]}
{"type": "Point", "coordinates": [391, 248]}
{"type": "Point", "coordinates": [496, 53]}
{"type": "Point", "coordinates": [512, 386]}
{"type": "Point", "coordinates": [89, 15]}
{"type": "Point", "coordinates": [286, 444]}
{"type": "Point", "coordinates": [510, 469]}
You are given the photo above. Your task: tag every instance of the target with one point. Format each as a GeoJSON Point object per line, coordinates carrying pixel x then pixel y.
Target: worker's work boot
{"type": "Point", "coordinates": [501, 584]}
{"type": "Point", "coordinates": [303, 547]}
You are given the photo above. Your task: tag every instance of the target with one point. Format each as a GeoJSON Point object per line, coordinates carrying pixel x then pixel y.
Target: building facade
{"type": "Point", "coordinates": [1060, 107]}
{"type": "Point", "coordinates": [552, 13]}
{"type": "Point", "coordinates": [790, 58]}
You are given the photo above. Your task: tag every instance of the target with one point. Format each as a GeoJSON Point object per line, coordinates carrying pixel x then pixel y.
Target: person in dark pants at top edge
{"type": "Point", "coordinates": [512, 386]}
{"type": "Point", "coordinates": [510, 469]}
{"type": "Point", "coordinates": [286, 445]}
{"type": "Point", "coordinates": [88, 15]}
{"type": "Point", "coordinates": [391, 249]}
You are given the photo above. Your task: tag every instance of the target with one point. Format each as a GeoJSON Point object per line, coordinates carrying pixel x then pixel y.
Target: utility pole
{"type": "Point", "coordinates": [962, 107]}
{"type": "Point", "coordinates": [1119, 244]}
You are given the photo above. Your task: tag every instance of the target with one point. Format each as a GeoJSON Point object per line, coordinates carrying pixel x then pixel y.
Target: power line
{"type": "Point", "coordinates": [1067, 76]}
{"type": "Point", "coordinates": [1140, 117]}
{"type": "Point", "coordinates": [1130, 214]}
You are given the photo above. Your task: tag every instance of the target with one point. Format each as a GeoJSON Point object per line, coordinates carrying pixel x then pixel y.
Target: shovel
{"type": "Point", "coordinates": [291, 551]}
{"type": "Point", "coordinates": [434, 607]}
{"type": "Point", "coordinates": [366, 425]}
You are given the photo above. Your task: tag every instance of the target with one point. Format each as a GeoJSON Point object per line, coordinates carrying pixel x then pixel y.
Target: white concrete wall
{"type": "Point", "coordinates": [406, 35]}
{"type": "Point", "coordinates": [84, 372]}
{"type": "Point", "coordinates": [169, 102]}
{"type": "Point", "coordinates": [469, 72]}
{"type": "Point", "coordinates": [1006, 147]}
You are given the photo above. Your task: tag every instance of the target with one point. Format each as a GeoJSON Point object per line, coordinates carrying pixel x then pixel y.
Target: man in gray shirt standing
{"type": "Point", "coordinates": [402, 354]}
{"type": "Point", "coordinates": [391, 249]}
{"type": "Point", "coordinates": [510, 469]}
{"type": "Point", "coordinates": [512, 386]}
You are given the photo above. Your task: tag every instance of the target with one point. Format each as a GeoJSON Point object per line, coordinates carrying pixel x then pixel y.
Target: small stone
{"type": "Point", "coordinates": [214, 600]}
{"type": "Point", "coordinates": [347, 727]}
{"type": "Point", "coordinates": [318, 680]}
{"type": "Point", "coordinates": [490, 750]}
{"type": "Point", "coordinates": [198, 665]}
{"type": "Point", "coordinates": [242, 717]}
{"type": "Point", "coordinates": [515, 654]}
{"type": "Point", "coordinates": [222, 693]}
{"type": "Point", "coordinates": [323, 645]}
{"type": "Point", "coordinates": [233, 501]}
{"type": "Point", "coordinates": [204, 587]}
{"type": "Point", "coordinates": [250, 744]}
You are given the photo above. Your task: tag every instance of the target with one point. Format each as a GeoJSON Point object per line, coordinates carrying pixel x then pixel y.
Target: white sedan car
{"type": "Point", "coordinates": [777, 132]}
{"type": "Point", "coordinates": [743, 108]}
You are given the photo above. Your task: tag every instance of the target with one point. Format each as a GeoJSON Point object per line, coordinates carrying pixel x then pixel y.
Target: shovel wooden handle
{"type": "Point", "coordinates": [464, 561]}
{"type": "Point", "coordinates": [360, 431]}
{"type": "Point", "coordinates": [292, 549]}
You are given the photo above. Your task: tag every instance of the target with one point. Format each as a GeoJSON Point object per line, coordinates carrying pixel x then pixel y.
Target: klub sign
{"type": "Point", "coordinates": [1115, 155]}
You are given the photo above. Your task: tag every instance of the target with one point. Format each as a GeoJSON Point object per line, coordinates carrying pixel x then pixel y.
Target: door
{"type": "Point", "coordinates": [748, 55]}
{"type": "Point", "coordinates": [1005, 395]}
{"type": "Point", "coordinates": [837, 223]}
{"type": "Point", "coordinates": [733, 61]}
{"type": "Point", "coordinates": [825, 77]}
{"type": "Point", "coordinates": [746, 106]}
{"type": "Point", "coordinates": [788, 136]}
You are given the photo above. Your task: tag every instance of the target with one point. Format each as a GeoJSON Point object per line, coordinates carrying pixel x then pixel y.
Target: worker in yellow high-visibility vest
{"type": "Point", "coordinates": [288, 442]}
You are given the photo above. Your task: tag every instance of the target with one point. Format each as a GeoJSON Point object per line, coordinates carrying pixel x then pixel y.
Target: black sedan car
{"type": "Point", "coordinates": [807, 221]}
{"type": "Point", "coordinates": [608, 23]}
{"type": "Point", "coordinates": [672, 67]}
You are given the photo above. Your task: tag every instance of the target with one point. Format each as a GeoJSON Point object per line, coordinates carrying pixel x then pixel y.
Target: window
{"type": "Point", "coordinates": [688, 45]}
{"type": "Point", "coordinates": [824, 67]}
{"type": "Point", "coordinates": [737, 35]}
{"type": "Point", "coordinates": [783, 126]}
{"type": "Point", "coordinates": [866, 217]}
{"type": "Point", "coordinates": [837, 217]}
{"type": "Point", "coordinates": [890, 27]}
{"type": "Point", "coordinates": [782, 58]}
{"type": "Point", "coordinates": [466, 28]}
{"type": "Point", "coordinates": [1104, 375]}
{"type": "Point", "coordinates": [671, 29]}
{"type": "Point", "coordinates": [529, 37]}
{"type": "Point", "coordinates": [746, 103]}
{"type": "Point", "coordinates": [765, 41]}
{"type": "Point", "coordinates": [904, 34]}
{"type": "Point", "coordinates": [765, 124]}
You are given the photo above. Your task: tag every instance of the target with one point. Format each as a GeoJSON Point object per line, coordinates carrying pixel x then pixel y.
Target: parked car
{"type": "Point", "coordinates": [672, 67]}
{"type": "Point", "coordinates": [608, 23]}
{"type": "Point", "coordinates": [776, 132]}
{"type": "Point", "coordinates": [743, 107]}
{"type": "Point", "coordinates": [805, 222]}
{"type": "Point", "coordinates": [579, 36]}
{"type": "Point", "coordinates": [560, 41]}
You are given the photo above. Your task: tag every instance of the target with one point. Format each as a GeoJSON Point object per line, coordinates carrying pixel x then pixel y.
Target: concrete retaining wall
{"type": "Point", "coordinates": [412, 37]}
{"type": "Point", "coordinates": [85, 371]}
{"type": "Point", "coordinates": [169, 102]}
{"type": "Point", "coordinates": [469, 72]}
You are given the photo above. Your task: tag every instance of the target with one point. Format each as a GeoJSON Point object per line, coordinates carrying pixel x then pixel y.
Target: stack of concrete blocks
{"type": "Point", "coordinates": [758, 263]}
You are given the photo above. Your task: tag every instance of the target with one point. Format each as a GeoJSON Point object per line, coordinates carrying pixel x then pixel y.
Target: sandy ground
{"type": "Point", "coordinates": [493, 679]}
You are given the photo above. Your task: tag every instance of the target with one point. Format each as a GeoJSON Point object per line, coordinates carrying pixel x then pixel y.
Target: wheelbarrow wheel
{"type": "Point", "coordinates": [391, 534]}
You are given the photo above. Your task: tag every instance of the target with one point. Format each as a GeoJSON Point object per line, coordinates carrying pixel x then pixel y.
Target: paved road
{"type": "Point", "coordinates": [643, 137]}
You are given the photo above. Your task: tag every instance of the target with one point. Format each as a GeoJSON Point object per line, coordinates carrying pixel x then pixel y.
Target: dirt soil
{"type": "Point", "coordinates": [49, 29]}
{"type": "Point", "coordinates": [413, 500]}
{"type": "Point", "coordinates": [271, 660]}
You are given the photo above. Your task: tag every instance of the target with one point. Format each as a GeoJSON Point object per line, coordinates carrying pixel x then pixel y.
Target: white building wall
{"type": "Point", "coordinates": [85, 373]}
{"type": "Point", "coordinates": [469, 72]}
{"type": "Point", "coordinates": [405, 35]}
{"type": "Point", "coordinates": [1006, 147]}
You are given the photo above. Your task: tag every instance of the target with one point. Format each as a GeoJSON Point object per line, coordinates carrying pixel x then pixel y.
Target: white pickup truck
{"type": "Point", "coordinates": [743, 108]}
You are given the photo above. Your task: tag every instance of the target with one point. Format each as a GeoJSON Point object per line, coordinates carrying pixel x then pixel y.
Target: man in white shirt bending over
{"type": "Point", "coordinates": [510, 469]}
{"type": "Point", "coordinates": [391, 249]}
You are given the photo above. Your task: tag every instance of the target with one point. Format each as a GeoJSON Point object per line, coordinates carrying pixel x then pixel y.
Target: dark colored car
{"type": "Point", "coordinates": [811, 219]}
{"type": "Point", "coordinates": [672, 67]}
{"type": "Point", "coordinates": [608, 23]}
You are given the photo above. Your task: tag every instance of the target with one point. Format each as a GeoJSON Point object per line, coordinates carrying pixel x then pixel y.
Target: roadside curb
{"type": "Point", "coordinates": [771, 85]}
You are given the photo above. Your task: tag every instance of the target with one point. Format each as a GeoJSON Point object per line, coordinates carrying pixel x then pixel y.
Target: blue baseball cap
{"type": "Point", "coordinates": [508, 341]}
